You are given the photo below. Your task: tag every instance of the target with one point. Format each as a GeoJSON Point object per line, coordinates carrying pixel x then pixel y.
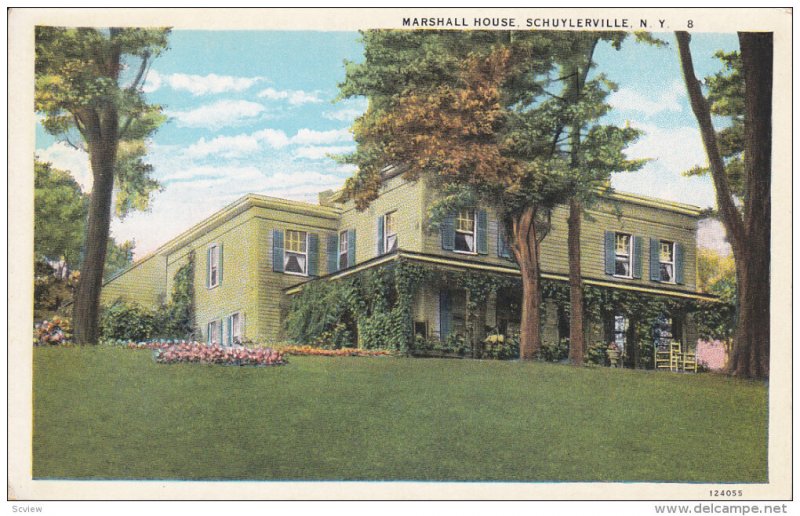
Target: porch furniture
{"type": "Point", "coordinates": [669, 358]}
{"type": "Point", "coordinates": [689, 361]}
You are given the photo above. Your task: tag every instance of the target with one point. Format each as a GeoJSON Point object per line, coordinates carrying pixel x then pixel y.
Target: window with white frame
{"type": "Point", "coordinates": [623, 255]}
{"type": "Point", "coordinates": [213, 333]}
{"type": "Point", "coordinates": [236, 328]}
{"type": "Point", "coordinates": [213, 266]}
{"type": "Point", "coordinates": [465, 231]}
{"type": "Point", "coordinates": [343, 250]}
{"type": "Point", "coordinates": [666, 261]}
{"type": "Point", "coordinates": [295, 256]}
{"type": "Point", "coordinates": [389, 232]}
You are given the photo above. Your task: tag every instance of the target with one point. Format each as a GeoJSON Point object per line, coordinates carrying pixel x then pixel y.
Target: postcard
{"type": "Point", "coordinates": [400, 254]}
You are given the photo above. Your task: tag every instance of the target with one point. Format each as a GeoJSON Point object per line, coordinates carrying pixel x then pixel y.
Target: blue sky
{"type": "Point", "coordinates": [252, 111]}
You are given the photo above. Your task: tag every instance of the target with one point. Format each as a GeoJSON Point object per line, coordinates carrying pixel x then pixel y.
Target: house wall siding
{"type": "Point", "coordinates": [143, 283]}
{"type": "Point", "coordinates": [397, 195]}
{"type": "Point", "coordinates": [640, 221]}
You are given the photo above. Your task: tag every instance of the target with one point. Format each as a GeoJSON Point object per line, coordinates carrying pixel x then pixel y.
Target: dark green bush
{"type": "Point", "coordinates": [554, 351]}
{"type": "Point", "coordinates": [131, 321]}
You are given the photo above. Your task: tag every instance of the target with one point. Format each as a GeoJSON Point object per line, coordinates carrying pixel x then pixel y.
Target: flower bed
{"type": "Point", "coordinates": [203, 354]}
{"type": "Point", "coordinates": [341, 352]}
{"type": "Point", "coordinates": [57, 332]}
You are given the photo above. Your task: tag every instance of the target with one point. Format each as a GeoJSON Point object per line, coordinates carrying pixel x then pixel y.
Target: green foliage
{"type": "Point", "coordinates": [376, 302]}
{"type": "Point", "coordinates": [501, 347]}
{"type": "Point", "coordinates": [596, 354]}
{"type": "Point", "coordinates": [554, 351]}
{"type": "Point", "coordinates": [130, 321]}
{"type": "Point", "coordinates": [726, 94]}
{"type": "Point", "coordinates": [60, 210]}
{"type": "Point", "coordinates": [51, 294]}
{"type": "Point", "coordinates": [179, 318]}
{"type": "Point", "coordinates": [175, 320]}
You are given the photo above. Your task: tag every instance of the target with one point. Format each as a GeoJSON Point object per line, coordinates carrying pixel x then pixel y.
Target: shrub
{"type": "Point", "coordinates": [453, 343]}
{"type": "Point", "coordinates": [501, 347]}
{"type": "Point", "coordinates": [596, 354]}
{"type": "Point", "coordinates": [554, 351]}
{"type": "Point", "coordinates": [334, 338]}
{"type": "Point", "coordinates": [130, 321]}
{"type": "Point", "coordinates": [340, 352]}
{"type": "Point", "coordinates": [53, 333]}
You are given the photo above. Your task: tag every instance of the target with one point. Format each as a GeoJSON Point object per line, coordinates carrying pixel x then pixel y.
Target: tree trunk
{"type": "Point", "coordinates": [750, 355]}
{"type": "Point", "coordinates": [748, 230]}
{"type": "Point", "coordinates": [526, 251]}
{"type": "Point", "coordinates": [576, 343]}
{"type": "Point", "coordinates": [102, 154]}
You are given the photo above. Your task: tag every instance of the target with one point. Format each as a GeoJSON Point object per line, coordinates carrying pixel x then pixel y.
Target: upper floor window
{"type": "Point", "coordinates": [343, 244]}
{"type": "Point", "coordinates": [623, 255]}
{"type": "Point", "coordinates": [389, 232]}
{"type": "Point", "coordinates": [295, 256]}
{"type": "Point", "coordinates": [213, 266]}
{"type": "Point", "coordinates": [666, 261]}
{"type": "Point", "coordinates": [465, 231]}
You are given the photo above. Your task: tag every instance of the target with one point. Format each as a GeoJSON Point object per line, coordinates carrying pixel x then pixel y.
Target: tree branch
{"type": "Point", "coordinates": [730, 214]}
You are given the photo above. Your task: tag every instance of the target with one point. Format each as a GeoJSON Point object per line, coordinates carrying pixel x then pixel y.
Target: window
{"type": "Point", "coordinates": [343, 250]}
{"type": "Point", "coordinates": [623, 265]}
{"type": "Point", "coordinates": [235, 325]}
{"type": "Point", "coordinates": [421, 329]}
{"type": "Point", "coordinates": [295, 256]}
{"type": "Point", "coordinates": [620, 332]}
{"type": "Point", "coordinates": [213, 266]}
{"type": "Point", "coordinates": [666, 261]}
{"type": "Point", "coordinates": [213, 336]}
{"type": "Point", "coordinates": [389, 232]}
{"type": "Point", "coordinates": [465, 231]}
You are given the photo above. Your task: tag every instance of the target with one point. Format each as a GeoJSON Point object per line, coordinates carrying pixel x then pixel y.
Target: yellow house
{"type": "Point", "coordinates": [254, 254]}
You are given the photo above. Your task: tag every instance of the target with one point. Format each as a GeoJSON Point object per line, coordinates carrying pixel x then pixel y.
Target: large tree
{"type": "Point", "coordinates": [89, 81]}
{"type": "Point", "coordinates": [594, 151]}
{"type": "Point", "coordinates": [739, 162]}
{"type": "Point", "coordinates": [474, 112]}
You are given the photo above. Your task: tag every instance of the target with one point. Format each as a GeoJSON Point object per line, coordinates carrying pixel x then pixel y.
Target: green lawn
{"type": "Point", "coordinates": [114, 413]}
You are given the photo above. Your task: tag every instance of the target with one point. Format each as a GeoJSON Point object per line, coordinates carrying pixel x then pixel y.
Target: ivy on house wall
{"type": "Point", "coordinates": [377, 305]}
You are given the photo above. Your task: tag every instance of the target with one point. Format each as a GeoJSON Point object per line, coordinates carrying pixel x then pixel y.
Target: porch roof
{"type": "Point", "coordinates": [462, 264]}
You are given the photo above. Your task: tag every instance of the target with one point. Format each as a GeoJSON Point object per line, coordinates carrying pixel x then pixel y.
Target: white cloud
{"type": "Point", "coordinates": [249, 144]}
{"type": "Point", "coordinates": [224, 146]}
{"type": "Point", "coordinates": [218, 114]}
{"type": "Point", "coordinates": [312, 137]}
{"type": "Point", "coordinates": [626, 99]}
{"type": "Point", "coordinates": [672, 151]}
{"type": "Point", "coordinates": [321, 152]}
{"type": "Point", "coordinates": [343, 115]}
{"type": "Point", "coordinates": [75, 161]}
{"type": "Point", "coordinates": [711, 235]}
{"type": "Point", "coordinates": [211, 83]}
{"type": "Point", "coordinates": [294, 97]}
{"type": "Point", "coordinates": [152, 82]}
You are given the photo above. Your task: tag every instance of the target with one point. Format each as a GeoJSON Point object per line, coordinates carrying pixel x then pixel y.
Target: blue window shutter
{"type": "Point", "coordinates": [333, 253]}
{"type": "Point", "coordinates": [208, 268]}
{"type": "Point", "coordinates": [678, 263]}
{"type": "Point", "coordinates": [445, 315]}
{"type": "Point", "coordinates": [637, 257]}
{"type": "Point", "coordinates": [351, 247]}
{"type": "Point", "coordinates": [229, 336]}
{"type": "Point", "coordinates": [481, 236]}
{"type": "Point", "coordinates": [277, 250]}
{"type": "Point", "coordinates": [655, 269]}
{"type": "Point", "coordinates": [379, 236]}
{"type": "Point", "coordinates": [313, 254]}
{"type": "Point", "coordinates": [609, 253]}
{"type": "Point", "coordinates": [219, 265]}
{"type": "Point", "coordinates": [448, 230]}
